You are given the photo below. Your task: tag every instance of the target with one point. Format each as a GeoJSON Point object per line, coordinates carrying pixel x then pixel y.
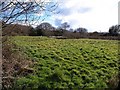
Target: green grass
{"type": "Point", "coordinates": [68, 63]}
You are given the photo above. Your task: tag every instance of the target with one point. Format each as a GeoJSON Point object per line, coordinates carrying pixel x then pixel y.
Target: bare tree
{"type": "Point", "coordinates": [45, 26]}
{"type": "Point", "coordinates": [45, 29]}
{"type": "Point", "coordinates": [64, 26]}
{"type": "Point", "coordinates": [81, 30]}
{"type": "Point", "coordinates": [25, 11]}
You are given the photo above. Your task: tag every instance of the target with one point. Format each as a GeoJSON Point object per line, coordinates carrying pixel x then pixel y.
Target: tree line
{"type": "Point", "coordinates": [63, 31]}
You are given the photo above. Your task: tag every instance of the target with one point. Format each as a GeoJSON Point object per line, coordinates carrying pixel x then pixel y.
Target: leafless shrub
{"type": "Point", "coordinates": [15, 64]}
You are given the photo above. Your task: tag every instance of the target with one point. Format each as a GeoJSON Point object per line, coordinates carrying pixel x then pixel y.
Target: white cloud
{"type": "Point", "coordinates": [95, 15]}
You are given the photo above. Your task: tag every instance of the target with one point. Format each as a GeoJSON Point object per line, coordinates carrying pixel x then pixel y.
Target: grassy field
{"type": "Point", "coordinates": [68, 63]}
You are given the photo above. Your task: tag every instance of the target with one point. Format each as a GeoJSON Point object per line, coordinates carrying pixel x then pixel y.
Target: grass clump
{"type": "Point", "coordinates": [69, 63]}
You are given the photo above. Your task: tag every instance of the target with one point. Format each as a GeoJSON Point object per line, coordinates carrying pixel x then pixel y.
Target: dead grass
{"type": "Point", "coordinates": [15, 64]}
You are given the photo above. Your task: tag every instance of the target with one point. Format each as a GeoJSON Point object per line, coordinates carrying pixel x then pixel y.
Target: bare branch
{"type": "Point", "coordinates": [16, 11]}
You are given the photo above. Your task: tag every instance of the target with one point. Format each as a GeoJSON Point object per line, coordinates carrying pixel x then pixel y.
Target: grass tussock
{"type": "Point", "coordinates": [62, 63]}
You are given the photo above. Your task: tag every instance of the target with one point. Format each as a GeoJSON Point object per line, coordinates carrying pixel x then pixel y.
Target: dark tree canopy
{"type": "Point", "coordinates": [81, 30]}
{"type": "Point", "coordinates": [24, 11]}
{"type": "Point", "coordinates": [45, 29]}
{"type": "Point", "coordinates": [114, 30]}
{"type": "Point", "coordinates": [45, 26]}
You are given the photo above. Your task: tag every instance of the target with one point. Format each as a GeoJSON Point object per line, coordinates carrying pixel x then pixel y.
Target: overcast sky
{"type": "Point", "coordinates": [95, 15]}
